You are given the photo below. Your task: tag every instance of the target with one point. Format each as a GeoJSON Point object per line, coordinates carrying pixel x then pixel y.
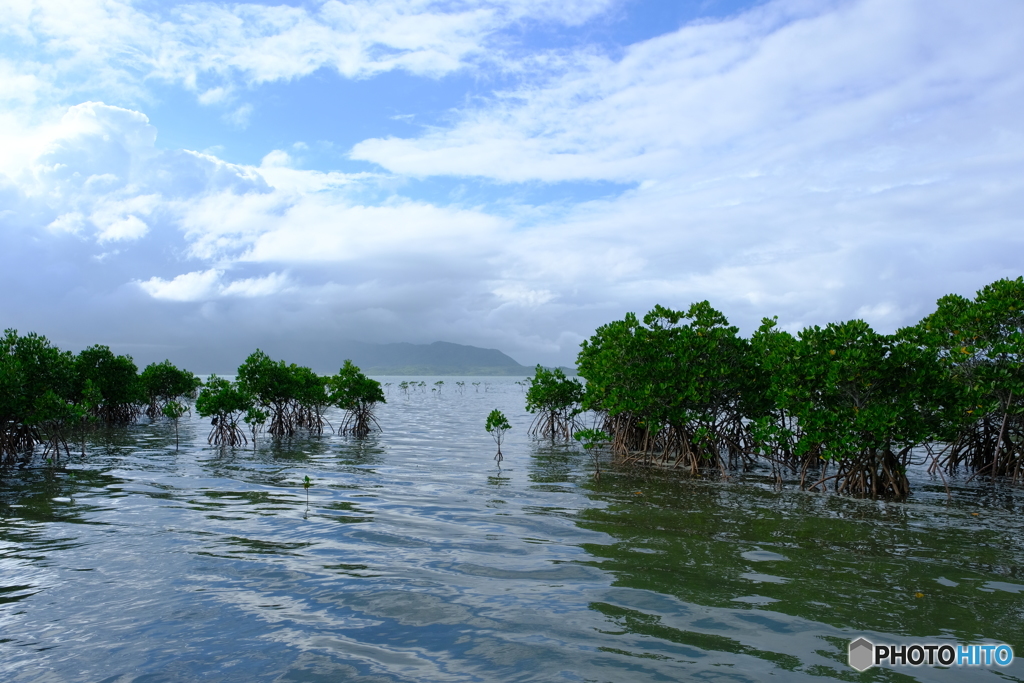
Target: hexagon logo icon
{"type": "Point", "coordinates": [862, 654]}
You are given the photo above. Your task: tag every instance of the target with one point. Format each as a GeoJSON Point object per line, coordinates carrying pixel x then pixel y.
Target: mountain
{"type": "Point", "coordinates": [326, 356]}
{"type": "Point", "coordinates": [439, 358]}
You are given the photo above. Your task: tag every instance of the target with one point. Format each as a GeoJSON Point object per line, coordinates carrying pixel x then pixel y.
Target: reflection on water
{"type": "Point", "coordinates": [417, 559]}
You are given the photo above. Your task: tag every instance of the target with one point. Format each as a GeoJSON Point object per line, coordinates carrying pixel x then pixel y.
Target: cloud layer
{"type": "Point", "coordinates": [812, 160]}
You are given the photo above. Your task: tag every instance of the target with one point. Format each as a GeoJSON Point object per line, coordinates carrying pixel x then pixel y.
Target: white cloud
{"type": "Point", "coordinates": [813, 160]}
{"type": "Point", "coordinates": [67, 222]}
{"type": "Point", "coordinates": [752, 95]}
{"type": "Point", "coordinates": [107, 43]}
{"type": "Point", "coordinates": [213, 96]}
{"type": "Point", "coordinates": [256, 286]}
{"type": "Point", "coordinates": [323, 230]}
{"type": "Point", "coordinates": [195, 286]}
{"type": "Point", "coordinates": [127, 228]}
{"type": "Point", "coordinates": [206, 285]}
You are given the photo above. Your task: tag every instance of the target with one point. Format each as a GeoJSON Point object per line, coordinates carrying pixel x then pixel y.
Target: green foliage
{"type": "Point", "coordinates": [357, 395]}
{"type": "Point", "coordinates": [496, 425]}
{"type": "Point", "coordinates": [86, 408]}
{"type": "Point", "coordinates": [311, 399]}
{"type": "Point", "coordinates": [681, 384]}
{"type": "Point", "coordinates": [161, 383]}
{"type": "Point", "coordinates": [255, 418]}
{"type": "Point", "coordinates": [117, 378]}
{"type": "Point", "coordinates": [306, 483]}
{"type": "Point", "coordinates": [174, 410]}
{"type": "Point", "coordinates": [557, 399]}
{"type": "Point", "coordinates": [592, 439]}
{"type": "Point", "coordinates": [36, 394]}
{"type": "Point", "coordinates": [980, 343]}
{"type": "Point", "coordinates": [224, 402]}
{"type": "Point", "coordinates": [221, 398]}
{"type": "Point", "coordinates": [864, 400]}
{"type": "Point", "coordinates": [292, 396]}
{"type": "Point", "coordinates": [273, 386]}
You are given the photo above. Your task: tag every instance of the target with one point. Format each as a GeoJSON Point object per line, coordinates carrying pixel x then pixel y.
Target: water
{"type": "Point", "coordinates": [417, 559]}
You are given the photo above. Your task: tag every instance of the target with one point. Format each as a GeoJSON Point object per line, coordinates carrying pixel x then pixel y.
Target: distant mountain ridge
{"type": "Point", "coordinates": [439, 358]}
{"type": "Point", "coordinates": [326, 356]}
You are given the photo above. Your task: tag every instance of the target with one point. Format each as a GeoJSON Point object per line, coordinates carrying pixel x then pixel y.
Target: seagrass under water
{"type": "Point", "coordinates": [418, 560]}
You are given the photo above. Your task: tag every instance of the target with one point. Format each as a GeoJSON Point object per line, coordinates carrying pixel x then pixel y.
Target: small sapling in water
{"type": "Point", "coordinates": [174, 410]}
{"type": "Point", "coordinates": [255, 418]}
{"type": "Point", "coordinates": [591, 440]}
{"type": "Point", "coordinates": [496, 426]}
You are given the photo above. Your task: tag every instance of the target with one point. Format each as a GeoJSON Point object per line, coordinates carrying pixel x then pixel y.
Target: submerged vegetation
{"type": "Point", "coordinates": [291, 397]}
{"type": "Point", "coordinates": [48, 396]}
{"type": "Point", "coordinates": [557, 400]}
{"type": "Point", "coordinates": [839, 406]}
{"type": "Point", "coordinates": [357, 395]}
{"type": "Point", "coordinates": [224, 403]}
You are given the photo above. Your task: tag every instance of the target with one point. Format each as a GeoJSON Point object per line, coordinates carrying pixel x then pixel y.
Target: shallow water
{"type": "Point", "coordinates": [417, 559]}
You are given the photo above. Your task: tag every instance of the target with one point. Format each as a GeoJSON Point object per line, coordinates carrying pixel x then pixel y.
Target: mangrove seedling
{"type": "Point", "coordinates": [174, 410]}
{"type": "Point", "coordinates": [591, 440]}
{"type": "Point", "coordinates": [306, 483]}
{"type": "Point", "coordinates": [86, 408]}
{"type": "Point", "coordinates": [496, 426]}
{"type": "Point", "coordinates": [255, 418]}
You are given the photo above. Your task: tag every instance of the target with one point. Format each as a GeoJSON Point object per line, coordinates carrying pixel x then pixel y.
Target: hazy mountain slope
{"type": "Point", "coordinates": [439, 358]}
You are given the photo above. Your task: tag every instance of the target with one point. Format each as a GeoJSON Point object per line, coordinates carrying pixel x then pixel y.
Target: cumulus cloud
{"type": "Point", "coordinates": [127, 228]}
{"type": "Point", "coordinates": [256, 286]}
{"type": "Point", "coordinates": [208, 284]}
{"type": "Point", "coordinates": [194, 286]}
{"type": "Point", "coordinates": [815, 160]}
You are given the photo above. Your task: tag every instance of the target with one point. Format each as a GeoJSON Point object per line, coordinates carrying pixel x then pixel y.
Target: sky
{"type": "Point", "coordinates": [192, 180]}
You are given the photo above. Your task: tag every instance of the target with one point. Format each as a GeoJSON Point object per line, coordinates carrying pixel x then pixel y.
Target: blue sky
{"type": "Point", "coordinates": [180, 177]}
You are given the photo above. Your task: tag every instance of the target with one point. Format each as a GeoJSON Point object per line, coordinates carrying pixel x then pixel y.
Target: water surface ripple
{"type": "Point", "coordinates": [417, 559]}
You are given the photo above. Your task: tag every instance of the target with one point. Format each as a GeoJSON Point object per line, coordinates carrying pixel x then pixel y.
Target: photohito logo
{"type": "Point", "coordinates": [864, 654]}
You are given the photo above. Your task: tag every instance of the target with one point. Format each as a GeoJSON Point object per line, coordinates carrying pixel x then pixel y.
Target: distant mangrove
{"type": "Point", "coordinates": [49, 396]}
